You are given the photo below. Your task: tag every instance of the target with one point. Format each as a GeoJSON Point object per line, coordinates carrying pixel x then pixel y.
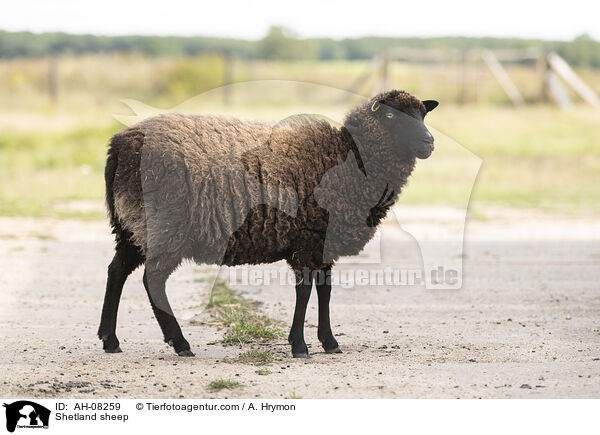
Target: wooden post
{"type": "Point", "coordinates": [385, 80]}
{"type": "Point", "coordinates": [53, 80]}
{"type": "Point", "coordinates": [502, 77]}
{"type": "Point", "coordinates": [381, 83]}
{"type": "Point", "coordinates": [562, 68]}
{"type": "Point", "coordinates": [542, 72]}
{"type": "Point", "coordinates": [464, 59]}
{"type": "Point", "coordinates": [360, 81]}
{"type": "Point", "coordinates": [480, 77]}
{"type": "Point", "coordinates": [558, 90]}
{"type": "Point", "coordinates": [227, 78]}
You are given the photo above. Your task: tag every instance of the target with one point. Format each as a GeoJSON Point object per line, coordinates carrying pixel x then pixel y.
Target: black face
{"type": "Point", "coordinates": [407, 125]}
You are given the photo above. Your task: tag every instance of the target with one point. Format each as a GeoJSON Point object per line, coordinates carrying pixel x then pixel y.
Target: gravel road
{"type": "Point", "coordinates": [526, 322]}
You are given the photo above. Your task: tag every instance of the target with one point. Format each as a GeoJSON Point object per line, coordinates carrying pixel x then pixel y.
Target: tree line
{"type": "Point", "coordinates": [278, 44]}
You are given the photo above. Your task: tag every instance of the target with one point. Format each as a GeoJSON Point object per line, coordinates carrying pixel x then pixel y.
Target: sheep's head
{"type": "Point", "coordinates": [396, 119]}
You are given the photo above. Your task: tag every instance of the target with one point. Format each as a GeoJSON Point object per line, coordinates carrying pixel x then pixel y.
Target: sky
{"type": "Point", "coordinates": [337, 19]}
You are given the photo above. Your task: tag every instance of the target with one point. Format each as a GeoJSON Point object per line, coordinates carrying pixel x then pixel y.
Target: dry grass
{"type": "Point", "coordinates": [537, 156]}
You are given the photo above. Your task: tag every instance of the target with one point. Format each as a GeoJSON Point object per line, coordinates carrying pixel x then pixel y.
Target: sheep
{"type": "Point", "coordinates": [216, 190]}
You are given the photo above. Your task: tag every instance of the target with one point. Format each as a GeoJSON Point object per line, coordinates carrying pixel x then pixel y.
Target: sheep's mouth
{"type": "Point", "coordinates": [424, 151]}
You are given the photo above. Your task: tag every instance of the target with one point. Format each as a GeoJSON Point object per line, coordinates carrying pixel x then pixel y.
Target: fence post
{"type": "Point", "coordinates": [542, 70]}
{"type": "Point", "coordinates": [53, 80]}
{"type": "Point", "coordinates": [227, 78]}
{"type": "Point", "coordinates": [502, 77]}
{"type": "Point", "coordinates": [464, 59]}
{"type": "Point", "coordinates": [562, 68]}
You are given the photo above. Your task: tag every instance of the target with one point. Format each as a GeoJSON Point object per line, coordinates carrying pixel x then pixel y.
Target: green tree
{"type": "Point", "coordinates": [281, 44]}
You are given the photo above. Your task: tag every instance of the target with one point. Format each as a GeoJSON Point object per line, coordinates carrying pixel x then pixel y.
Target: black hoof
{"type": "Point", "coordinates": [181, 346]}
{"type": "Point", "coordinates": [110, 343]}
{"type": "Point", "coordinates": [330, 344]}
{"type": "Point", "coordinates": [300, 355]}
{"type": "Point", "coordinates": [299, 349]}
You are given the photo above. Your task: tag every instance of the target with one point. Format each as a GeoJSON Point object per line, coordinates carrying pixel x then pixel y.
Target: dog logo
{"type": "Point", "coordinates": [26, 414]}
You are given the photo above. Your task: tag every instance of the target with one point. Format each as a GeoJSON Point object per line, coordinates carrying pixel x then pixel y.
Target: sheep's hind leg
{"type": "Point", "coordinates": [154, 282]}
{"type": "Point", "coordinates": [323, 284]}
{"type": "Point", "coordinates": [127, 258]}
{"type": "Point", "coordinates": [304, 280]}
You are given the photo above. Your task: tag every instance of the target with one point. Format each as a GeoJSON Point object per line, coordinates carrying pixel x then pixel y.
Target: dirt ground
{"type": "Point", "coordinates": [526, 322]}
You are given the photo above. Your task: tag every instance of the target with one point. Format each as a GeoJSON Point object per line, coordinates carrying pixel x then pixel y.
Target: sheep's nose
{"type": "Point", "coordinates": [429, 138]}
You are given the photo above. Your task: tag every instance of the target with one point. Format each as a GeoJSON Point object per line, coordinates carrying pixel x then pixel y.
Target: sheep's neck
{"type": "Point", "coordinates": [379, 164]}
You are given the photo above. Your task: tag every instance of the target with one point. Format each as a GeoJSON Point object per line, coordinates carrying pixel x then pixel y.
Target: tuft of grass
{"type": "Point", "coordinates": [222, 384]}
{"type": "Point", "coordinates": [248, 333]}
{"type": "Point", "coordinates": [222, 296]}
{"type": "Point", "coordinates": [263, 372]}
{"type": "Point", "coordinates": [238, 314]}
{"type": "Point", "coordinates": [477, 214]}
{"type": "Point", "coordinates": [206, 278]}
{"type": "Point", "coordinates": [293, 396]}
{"type": "Point", "coordinates": [256, 357]}
{"type": "Point", "coordinates": [42, 236]}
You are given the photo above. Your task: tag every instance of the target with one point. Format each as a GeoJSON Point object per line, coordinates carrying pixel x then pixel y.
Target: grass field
{"type": "Point", "coordinates": [51, 152]}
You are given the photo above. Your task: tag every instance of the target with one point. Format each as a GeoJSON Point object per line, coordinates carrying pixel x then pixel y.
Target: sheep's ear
{"type": "Point", "coordinates": [430, 105]}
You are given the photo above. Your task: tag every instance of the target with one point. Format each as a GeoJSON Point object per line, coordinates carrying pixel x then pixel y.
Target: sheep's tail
{"type": "Point", "coordinates": [122, 147]}
{"type": "Point", "coordinates": [109, 177]}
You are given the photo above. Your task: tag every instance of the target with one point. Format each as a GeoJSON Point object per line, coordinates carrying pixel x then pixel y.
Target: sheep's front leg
{"type": "Point", "coordinates": [323, 283]}
{"type": "Point", "coordinates": [304, 279]}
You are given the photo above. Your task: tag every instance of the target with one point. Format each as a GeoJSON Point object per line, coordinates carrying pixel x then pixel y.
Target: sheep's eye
{"type": "Point", "coordinates": [389, 115]}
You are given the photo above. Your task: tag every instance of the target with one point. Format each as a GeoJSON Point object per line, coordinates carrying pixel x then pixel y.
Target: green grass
{"type": "Point", "coordinates": [244, 324]}
{"type": "Point", "coordinates": [263, 372]}
{"type": "Point", "coordinates": [250, 330]}
{"type": "Point", "coordinates": [223, 384]}
{"type": "Point", "coordinates": [42, 236]}
{"type": "Point", "coordinates": [536, 156]}
{"type": "Point", "coordinates": [77, 148]}
{"type": "Point", "coordinates": [40, 169]}
{"type": "Point", "coordinates": [256, 357]}
{"type": "Point", "coordinates": [222, 296]}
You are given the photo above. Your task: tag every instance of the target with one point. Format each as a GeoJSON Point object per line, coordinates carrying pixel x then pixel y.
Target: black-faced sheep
{"type": "Point", "coordinates": [232, 192]}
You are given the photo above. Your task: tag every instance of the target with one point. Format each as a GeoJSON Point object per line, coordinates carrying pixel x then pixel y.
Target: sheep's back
{"type": "Point", "coordinates": [197, 184]}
